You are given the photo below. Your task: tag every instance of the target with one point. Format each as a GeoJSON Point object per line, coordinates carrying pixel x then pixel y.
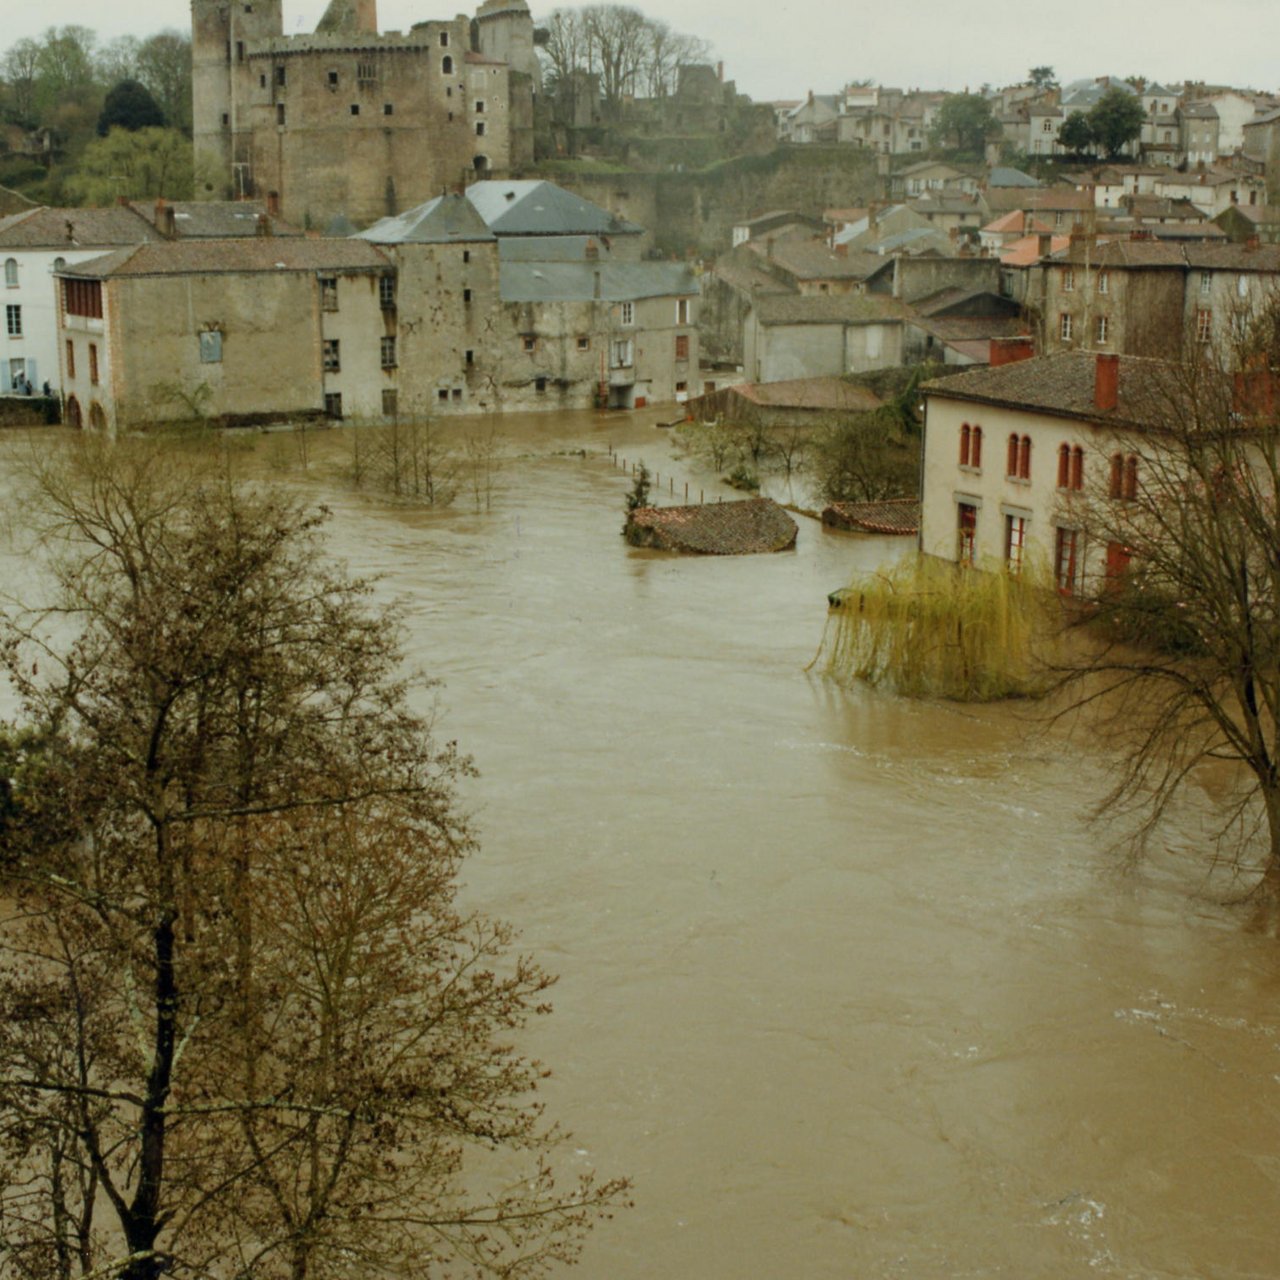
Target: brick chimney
{"type": "Point", "coordinates": [1044, 244]}
{"type": "Point", "coordinates": [1106, 382]}
{"type": "Point", "coordinates": [1010, 350]}
{"type": "Point", "coordinates": [842, 250]}
{"type": "Point", "coordinates": [166, 219]}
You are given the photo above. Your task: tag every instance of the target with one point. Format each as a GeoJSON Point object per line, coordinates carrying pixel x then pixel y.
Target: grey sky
{"type": "Point", "coordinates": [783, 49]}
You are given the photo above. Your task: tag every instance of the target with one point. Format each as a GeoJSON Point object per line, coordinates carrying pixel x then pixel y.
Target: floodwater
{"type": "Point", "coordinates": [849, 985]}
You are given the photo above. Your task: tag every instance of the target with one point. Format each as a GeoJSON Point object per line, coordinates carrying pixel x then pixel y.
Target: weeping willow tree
{"type": "Point", "coordinates": [928, 629]}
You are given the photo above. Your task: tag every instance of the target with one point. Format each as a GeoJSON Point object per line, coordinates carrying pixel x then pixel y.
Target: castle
{"type": "Point", "coordinates": [349, 123]}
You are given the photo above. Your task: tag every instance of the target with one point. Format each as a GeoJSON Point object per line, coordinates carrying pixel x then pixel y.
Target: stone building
{"type": "Point", "coordinates": [348, 121]}
{"type": "Point", "coordinates": [228, 330]}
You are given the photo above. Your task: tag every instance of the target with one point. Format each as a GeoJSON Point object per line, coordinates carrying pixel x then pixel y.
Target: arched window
{"type": "Point", "coordinates": [11, 272]}
{"type": "Point", "coordinates": [1077, 468]}
{"type": "Point", "coordinates": [1011, 461]}
{"type": "Point", "coordinates": [97, 419]}
{"type": "Point", "coordinates": [975, 449]}
{"type": "Point", "coordinates": [446, 65]}
{"type": "Point", "coordinates": [59, 264]}
{"type": "Point", "coordinates": [1024, 459]}
{"type": "Point", "coordinates": [1064, 466]}
{"type": "Point", "coordinates": [480, 164]}
{"type": "Point", "coordinates": [1116, 487]}
{"type": "Point", "coordinates": [73, 413]}
{"type": "Point", "coordinates": [964, 444]}
{"type": "Point", "coordinates": [1131, 477]}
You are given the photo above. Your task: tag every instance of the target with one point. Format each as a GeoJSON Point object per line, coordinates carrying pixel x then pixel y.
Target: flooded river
{"type": "Point", "coordinates": [849, 985]}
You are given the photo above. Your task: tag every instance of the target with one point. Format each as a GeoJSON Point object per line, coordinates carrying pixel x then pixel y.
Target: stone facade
{"type": "Point", "coordinates": [347, 121]}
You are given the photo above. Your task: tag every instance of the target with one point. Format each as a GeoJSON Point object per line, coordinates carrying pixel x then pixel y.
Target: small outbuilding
{"type": "Point", "coordinates": [718, 529]}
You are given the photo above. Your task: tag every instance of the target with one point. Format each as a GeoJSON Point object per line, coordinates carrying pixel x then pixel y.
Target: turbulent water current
{"type": "Point", "coordinates": [850, 986]}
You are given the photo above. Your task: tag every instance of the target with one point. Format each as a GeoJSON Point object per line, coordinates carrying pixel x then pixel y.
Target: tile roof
{"type": "Point", "coordinates": [48, 228]}
{"type": "Point", "coordinates": [531, 207]}
{"type": "Point", "coordinates": [895, 516]}
{"type": "Point", "coordinates": [1149, 253]}
{"type": "Point", "coordinates": [824, 308]}
{"type": "Point", "coordinates": [214, 219]}
{"type": "Point", "coordinates": [232, 257]}
{"type": "Point", "coordinates": [1017, 220]}
{"type": "Point", "coordinates": [739, 270]}
{"type": "Point", "coordinates": [578, 281]}
{"type": "Point", "coordinates": [809, 393]}
{"type": "Point", "coordinates": [1026, 252]}
{"type": "Point", "coordinates": [815, 260]}
{"type": "Point", "coordinates": [718, 529]}
{"type": "Point", "coordinates": [1062, 385]}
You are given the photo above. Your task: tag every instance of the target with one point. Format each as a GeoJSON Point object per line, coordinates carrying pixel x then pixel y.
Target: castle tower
{"type": "Point", "coordinates": [223, 32]}
{"type": "Point", "coordinates": [356, 17]}
{"type": "Point", "coordinates": [504, 29]}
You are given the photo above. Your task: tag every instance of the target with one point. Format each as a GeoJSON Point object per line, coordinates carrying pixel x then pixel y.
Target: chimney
{"type": "Point", "coordinates": [166, 219]}
{"type": "Point", "coordinates": [1106, 382]}
{"type": "Point", "coordinates": [1044, 243]}
{"type": "Point", "coordinates": [1252, 243]}
{"type": "Point", "coordinates": [1010, 350]}
{"type": "Point", "coordinates": [262, 225]}
{"type": "Point", "coordinates": [273, 204]}
{"type": "Point", "coordinates": [842, 251]}
{"type": "Point", "coordinates": [122, 201]}
{"type": "Point", "coordinates": [720, 72]}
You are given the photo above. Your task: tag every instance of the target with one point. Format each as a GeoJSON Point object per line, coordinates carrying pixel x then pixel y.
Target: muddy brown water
{"type": "Point", "coordinates": [849, 986]}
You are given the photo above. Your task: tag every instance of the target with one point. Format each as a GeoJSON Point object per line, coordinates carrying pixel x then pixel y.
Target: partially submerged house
{"type": "Point", "coordinates": [749, 527]}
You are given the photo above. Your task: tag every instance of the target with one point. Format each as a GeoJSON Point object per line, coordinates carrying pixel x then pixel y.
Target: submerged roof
{"type": "Point", "coordinates": [531, 208]}
{"type": "Point", "coordinates": [717, 529]}
{"type": "Point", "coordinates": [444, 220]}
{"type": "Point", "coordinates": [807, 393]}
{"type": "Point", "coordinates": [585, 281]}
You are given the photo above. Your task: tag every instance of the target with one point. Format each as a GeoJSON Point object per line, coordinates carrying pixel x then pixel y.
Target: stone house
{"type": "Point", "coordinates": [1044, 124]}
{"type": "Point", "coordinates": [933, 177]}
{"type": "Point", "coordinates": [1213, 190]}
{"type": "Point", "coordinates": [1262, 146]}
{"type": "Point", "coordinates": [806, 123]}
{"type": "Point", "coordinates": [1198, 140]}
{"type": "Point", "coordinates": [347, 121]}
{"type": "Point", "coordinates": [1251, 221]}
{"type": "Point", "coordinates": [790, 336]}
{"type": "Point", "coordinates": [227, 329]}
{"type": "Point", "coordinates": [1010, 453]}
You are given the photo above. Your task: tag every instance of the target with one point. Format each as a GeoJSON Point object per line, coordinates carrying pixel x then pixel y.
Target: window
{"type": "Point", "coordinates": [1024, 459]}
{"type": "Point", "coordinates": [584, 344]}
{"type": "Point", "coordinates": [628, 313]}
{"type": "Point", "coordinates": [479, 128]}
{"type": "Point", "coordinates": [93, 363]}
{"type": "Point", "coordinates": [1015, 541]}
{"type": "Point", "coordinates": [466, 295]}
{"type": "Point", "coordinates": [443, 394]}
{"type": "Point", "coordinates": [73, 412]}
{"type": "Point", "coordinates": [388, 109]}
{"type": "Point", "coordinates": [479, 106]}
{"type": "Point", "coordinates": [469, 357]}
{"type": "Point", "coordinates": [332, 356]}
{"type": "Point", "coordinates": [279, 113]}
{"type": "Point", "coordinates": [355, 108]}
{"type": "Point", "coordinates": [446, 66]}
{"type": "Point", "coordinates": [968, 533]}
{"type": "Point", "coordinates": [11, 273]}
{"type": "Point", "coordinates": [540, 385]}
{"type": "Point", "coordinates": [1206, 282]}
{"type": "Point", "coordinates": [328, 293]}
{"type": "Point", "coordinates": [1131, 477]}
{"type": "Point", "coordinates": [71, 359]}
{"type": "Point", "coordinates": [457, 393]}
{"type": "Point", "coordinates": [239, 50]}
{"type": "Point", "coordinates": [1204, 324]}
{"type": "Point", "coordinates": [280, 77]}
{"type": "Point", "coordinates": [1066, 560]}
{"type": "Point", "coordinates": [444, 39]}
{"type": "Point", "coordinates": [1124, 476]}
{"type": "Point", "coordinates": [1064, 466]}
{"type": "Point", "coordinates": [622, 357]}
{"type": "Point", "coordinates": [1068, 280]}
{"type": "Point", "coordinates": [682, 346]}
{"type": "Point", "coordinates": [1047, 127]}
{"type": "Point", "coordinates": [333, 404]}
{"type": "Point", "coordinates": [965, 433]}
{"type": "Point", "coordinates": [390, 402]}
{"type": "Point", "coordinates": [1064, 326]}
{"type": "Point", "coordinates": [59, 264]}
{"type": "Point", "coordinates": [466, 256]}
{"type": "Point", "coordinates": [13, 321]}
{"type": "Point", "coordinates": [387, 292]}
{"type": "Point", "coordinates": [210, 346]}
{"type": "Point", "coordinates": [1077, 468]}
{"type": "Point", "coordinates": [975, 449]}
{"type": "Point", "coordinates": [529, 343]}
{"type": "Point", "coordinates": [682, 311]}
{"type": "Point", "coordinates": [1101, 329]}
{"type": "Point", "coordinates": [366, 72]}
{"type": "Point", "coordinates": [1104, 282]}
{"type": "Point", "coordinates": [388, 351]}
{"type": "Point", "coordinates": [1242, 286]}
{"type": "Point", "coordinates": [333, 79]}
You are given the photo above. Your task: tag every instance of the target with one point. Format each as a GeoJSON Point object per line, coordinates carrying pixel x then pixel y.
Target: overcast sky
{"type": "Point", "coordinates": [783, 48]}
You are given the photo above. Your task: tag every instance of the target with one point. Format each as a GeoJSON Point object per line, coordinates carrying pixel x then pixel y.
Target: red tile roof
{"type": "Point", "coordinates": [717, 529]}
{"type": "Point", "coordinates": [897, 516]}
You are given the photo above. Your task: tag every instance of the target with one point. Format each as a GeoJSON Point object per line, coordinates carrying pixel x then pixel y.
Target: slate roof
{"type": "Point", "coordinates": [215, 219]}
{"type": "Point", "coordinates": [1005, 177]}
{"type": "Point", "coordinates": [739, 270]}
{"type": "Point", "coordinates": [577, 281]}
{"type": "Point", "coordinates": [447, 219]}
{"type": "Point", "coordinates": [534, 208]}
{"type": "Point", "coordinates": [1062, 385]}
{"type": "Point", "coordinates": [717, 529]}
{"type": "Point", "coordinates": [824, 308]}
{"type": "Point", "coordinates": [895, 516]}
{"type": "Point", "coordinates": [231, 257]}
{"type": "Point", "coordinates": [48, 228]}
{"type": "Point", "coordinates": [1163, 253]}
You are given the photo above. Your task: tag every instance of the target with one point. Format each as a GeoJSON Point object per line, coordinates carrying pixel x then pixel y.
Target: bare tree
{"type": "Point", "coordinates": [242, 1024]}
{"type": "Point", "coordinates": [618, 38]}
{"type": "Point", "coordinates": [1182, 664]}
